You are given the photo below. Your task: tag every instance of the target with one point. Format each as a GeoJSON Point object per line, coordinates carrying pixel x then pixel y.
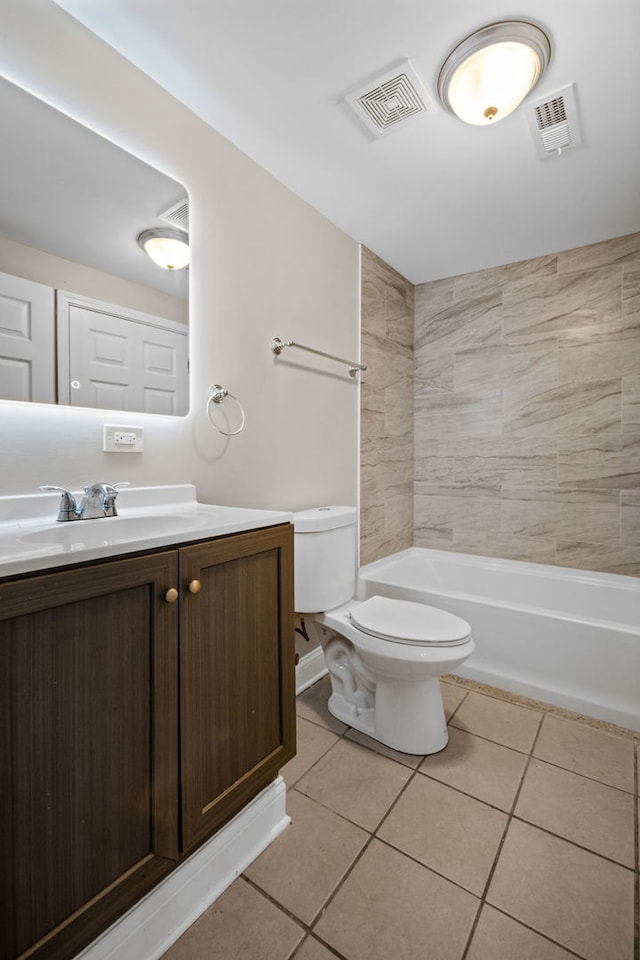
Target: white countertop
{"type": "Point", "coordinates": [148, 517]}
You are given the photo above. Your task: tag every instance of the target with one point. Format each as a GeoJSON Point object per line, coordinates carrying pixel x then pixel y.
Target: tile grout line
{"type": "Point", "coordinates": [511, 816]}
{"type": "Point", "coordinates": [483, 897]}
{"type": "Point", "coordinates": [372, 836]}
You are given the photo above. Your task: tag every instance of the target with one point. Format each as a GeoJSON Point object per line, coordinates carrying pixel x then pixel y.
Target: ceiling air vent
{"type": "Point", "coordinates": [177, 214]}
{"type": "Point", "coordinates": [553, 121]}
{"type": "Point", "coordinates": [387, 102]}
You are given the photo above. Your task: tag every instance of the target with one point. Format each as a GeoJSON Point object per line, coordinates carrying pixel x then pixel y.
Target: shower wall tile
{"type": "Point", "coordinates": [630, 505]}
{"type": "Point", "coordinates": [630, 404]}
{"type": "Point", "coordinates": [437, 466]}
{"type": "Point", "coordinates": [434, 538]}
{"type": "Point", "coordinates": [631, 294]}
{"type": "Point", "coordinates": [458, 414]}
{"type": "Point", "coordinates": [589, 556]}
{"type": "Point", "coordinates": [434, 370]}
{"type": "Point", "coordinates": [592, 515]}
{"type": "Point", "coordinates": [604, 461]}
{"type": "Point", "coordinates": [485, 281]}
{"type": "Point", "coordinates": [620, 250]}
{"type": "Point", "coordinates": [429, 302]}
{"type": "Point", "coordinates": [483, 367]}
{"type": "Point", "coordinates": [527, 410]}
{"type": "Point", "coordinates": [506, 460]}
{"type": "Point", "coordinates": [529, 549]}
{"type": "Point", "coordinates": [544, 307]}
{"type": "Point", "coordinates": [585, 356]}
{"type": "Point", "coordinates": [480, 516]}
{"type": "Point", "coordinates": [468, 323]}
{"type": "Point", "coordinates": [386, 407]}
{"type": "Point", "coordinates": [565, 409]}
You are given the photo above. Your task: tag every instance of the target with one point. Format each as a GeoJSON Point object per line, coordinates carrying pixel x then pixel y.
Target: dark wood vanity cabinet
{"type": "Point", "coordinates": [236, 674]}
{"type": "Point", "coordinates": [134, 724]}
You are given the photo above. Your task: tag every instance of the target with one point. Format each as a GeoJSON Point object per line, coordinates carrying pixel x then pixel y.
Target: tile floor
{"type": "Point", "coordinates": [517, 842]}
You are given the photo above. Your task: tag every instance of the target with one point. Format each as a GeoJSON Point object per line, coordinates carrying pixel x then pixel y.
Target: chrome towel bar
{"type": "Point", "coordinates": [278, 345]}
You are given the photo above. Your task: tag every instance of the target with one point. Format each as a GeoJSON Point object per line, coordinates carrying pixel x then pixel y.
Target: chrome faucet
{"type": "Point", "coordinates": [99, 501]}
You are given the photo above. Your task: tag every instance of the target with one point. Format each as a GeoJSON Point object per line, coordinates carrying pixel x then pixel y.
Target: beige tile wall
{"type": "Point", "coordinates": [386, 445]}
{"type": "Point", "coordinates": [527, 410]}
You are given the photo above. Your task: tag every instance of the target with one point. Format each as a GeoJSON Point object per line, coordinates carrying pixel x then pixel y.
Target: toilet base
{"type": "Point", "coordinates": [404, 713]}
{"type": "Point", "coordinates": [418, 742]}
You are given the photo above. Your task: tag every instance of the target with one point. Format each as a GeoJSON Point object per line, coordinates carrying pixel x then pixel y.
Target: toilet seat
{"type": "Point", "coordinates": [404, 621]}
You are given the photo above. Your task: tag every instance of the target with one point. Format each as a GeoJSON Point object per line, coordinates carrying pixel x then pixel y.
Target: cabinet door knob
{"type": "Point", "coordinates": [171, 595]}
{"type": "Point", "coordinates": [195, 586]}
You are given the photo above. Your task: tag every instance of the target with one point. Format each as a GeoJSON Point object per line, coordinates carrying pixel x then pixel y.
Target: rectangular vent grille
{"type": "Point", "coordinates": [177, 214]}
{"type": "Point", "coordinates": [392, 102]}
{"type": "Point", "coordinates": [385, 103]}
{"type": "Point", "coordinates": [554, 123]}
{"type": "Point", "coordinates": [551, 112]}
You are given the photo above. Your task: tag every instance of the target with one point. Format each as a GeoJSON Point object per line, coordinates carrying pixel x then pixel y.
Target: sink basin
{"type": "Point", "coordinates": [79, 534]}
{"type": "Point", "coordinates": [151, 518]}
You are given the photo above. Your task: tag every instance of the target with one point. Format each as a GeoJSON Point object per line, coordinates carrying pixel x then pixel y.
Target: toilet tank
{"type": "Point", "coordinates": [325, 557]}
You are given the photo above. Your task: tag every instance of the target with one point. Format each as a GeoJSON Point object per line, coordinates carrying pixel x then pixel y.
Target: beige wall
{"type": "Point", "coordinates": [527, 410]}
{"type": "Point", "coordinates": [386, 440]}
{"type": "Point", "coordinates": [264, 264]}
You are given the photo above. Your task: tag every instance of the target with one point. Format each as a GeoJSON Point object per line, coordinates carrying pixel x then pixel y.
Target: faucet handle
{"type": "Point", "coordinates": [68, 507]}
{"type": "Point", "coordinates": [100, 499]}
{"type": "Point", "coordinates": [111, 492]}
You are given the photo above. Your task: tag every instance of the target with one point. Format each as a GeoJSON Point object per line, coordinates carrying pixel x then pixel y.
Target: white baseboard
{"type": "Point", "coordinates": [309, 669]}
{"type": "Point", "coordinates": [163, 915]}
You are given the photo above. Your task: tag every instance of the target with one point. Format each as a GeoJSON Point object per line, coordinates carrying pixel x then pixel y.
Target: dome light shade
{"type": "Point", "coordinates": [167, 248]}
{"type": "Point", "coordinates": [487, 75]}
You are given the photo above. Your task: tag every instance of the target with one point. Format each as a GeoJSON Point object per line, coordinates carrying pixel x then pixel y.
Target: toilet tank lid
{"type": "Point", "coordinates": [323, 518]}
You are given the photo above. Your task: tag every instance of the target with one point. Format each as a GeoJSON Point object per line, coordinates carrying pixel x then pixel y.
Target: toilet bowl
{"type": "Point", "coordinates": [384, 656]}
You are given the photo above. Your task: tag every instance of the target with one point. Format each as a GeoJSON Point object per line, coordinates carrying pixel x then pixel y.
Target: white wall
{"type": "Point", "coordinates": [264, 264]}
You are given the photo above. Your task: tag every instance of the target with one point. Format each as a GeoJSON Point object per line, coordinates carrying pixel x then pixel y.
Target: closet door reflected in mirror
{"type": "Point", "coordinates": [70, 218]}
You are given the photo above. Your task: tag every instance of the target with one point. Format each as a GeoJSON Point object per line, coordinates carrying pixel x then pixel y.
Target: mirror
{"type": "Point", "coordinates": [86, 317]}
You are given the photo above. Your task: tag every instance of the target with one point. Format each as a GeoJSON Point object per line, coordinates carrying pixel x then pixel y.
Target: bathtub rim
{"type": "Point", "coordinates": [368, 572]}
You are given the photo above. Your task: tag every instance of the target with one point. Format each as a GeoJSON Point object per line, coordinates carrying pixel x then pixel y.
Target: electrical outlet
{"type": "Point", "coordinates": [122, 439]}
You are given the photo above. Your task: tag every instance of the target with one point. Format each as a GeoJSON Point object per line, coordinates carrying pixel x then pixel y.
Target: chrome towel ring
{"type": "Point", "coordinates": [217, 394]}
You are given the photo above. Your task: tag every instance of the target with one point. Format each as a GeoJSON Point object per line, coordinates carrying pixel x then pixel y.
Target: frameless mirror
{"type": "Point", "coordinates": [86, 317]}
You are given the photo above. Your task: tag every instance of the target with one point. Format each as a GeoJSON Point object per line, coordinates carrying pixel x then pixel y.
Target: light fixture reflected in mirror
{"type": "Point", "coordinates": [487, 75]}
{"type": "Point", "coordinates": [167, 248]}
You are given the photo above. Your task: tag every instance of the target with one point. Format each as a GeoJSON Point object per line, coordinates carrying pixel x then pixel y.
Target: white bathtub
{"type": "Point", "coordinates": [567, 637]}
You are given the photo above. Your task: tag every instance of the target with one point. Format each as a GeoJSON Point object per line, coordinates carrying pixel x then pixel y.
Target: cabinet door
{"type": "Point", "coordinates": [237, 691]}
{"type": "Point", "coordinates": [88, 749]}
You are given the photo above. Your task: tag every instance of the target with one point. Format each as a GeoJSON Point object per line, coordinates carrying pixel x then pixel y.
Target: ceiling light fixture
{"type": "Point", "coordinates": [167, 248]}
{"type": "Point", "coordinates": [490, 72]}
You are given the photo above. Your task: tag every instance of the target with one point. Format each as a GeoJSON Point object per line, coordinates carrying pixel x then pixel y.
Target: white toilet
{"type": "Point", "coordinates": [384, 656]}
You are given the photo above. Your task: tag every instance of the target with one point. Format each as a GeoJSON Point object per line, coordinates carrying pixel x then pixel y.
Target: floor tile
{"type": "Point", "coordinates": [312, 705]}
{"type": "Point", "coordinates": [500, 938]}
{"type": "Point", "coordinates": [392, 908]}
{"type": "Point", "coordinates": [311, 949]}
{"type": "Point", "coordinates": [574, 897]}
{"type": "Point", "coordinates": [303, 866]}
{"type": "Point", "coordinates": [312, 742]}
{"type": "Point", "coordinates": [452, 697]}
{"type": "Point", "coordinates": [581, 810]}
{"type": "Point", "coordinates": [355, 782]}
{"type": "Point", "coordinates": [409, 759]}
{"type": "Point", "coordinates": [223, 933]}
{"type": "Point", "coordinates": [586, 750]}
{"type": "Point", "coordinates": [487, 771]}
{"type": "Point", "coordinates": [505, 723]}
{"type": "Point", "coordinates": [453, 834]}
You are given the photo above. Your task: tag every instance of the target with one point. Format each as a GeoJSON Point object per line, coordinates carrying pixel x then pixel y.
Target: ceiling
{"type": "Point", "coordinates": [436, 197]}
